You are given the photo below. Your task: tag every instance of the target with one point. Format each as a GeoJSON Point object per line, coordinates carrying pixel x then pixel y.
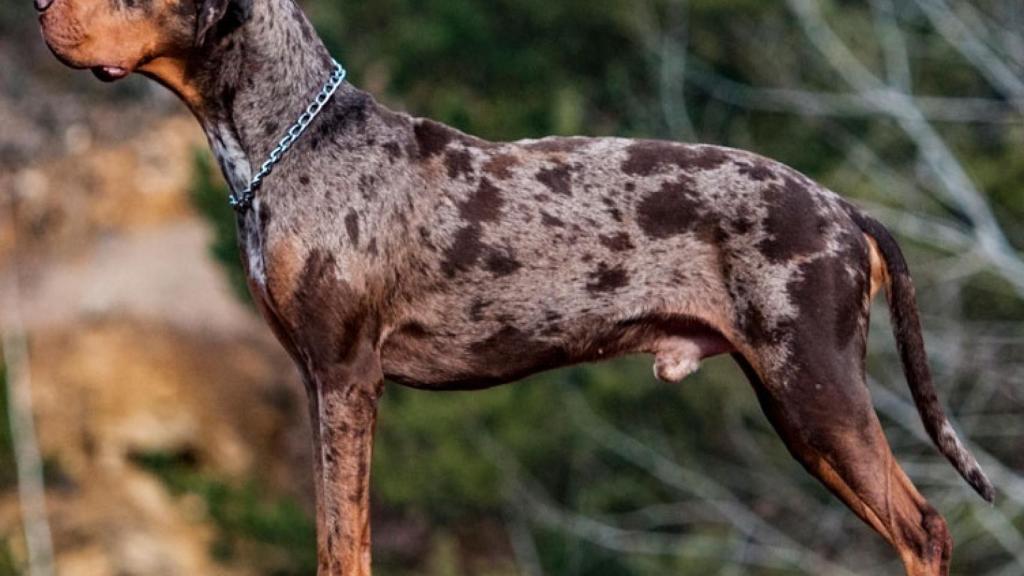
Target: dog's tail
{"type": "Point", "coordinates": [907, 329]}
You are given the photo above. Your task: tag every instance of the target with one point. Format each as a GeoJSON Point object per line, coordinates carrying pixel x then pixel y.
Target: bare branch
{"type": "Point", "coordinates": [849, 104]}
{"type": "Point", "coordinates": [894, 46]}
{"type": "Point", "coordinates": [28, 461]}
{"type": "Point", "coordinates": [973, 48]}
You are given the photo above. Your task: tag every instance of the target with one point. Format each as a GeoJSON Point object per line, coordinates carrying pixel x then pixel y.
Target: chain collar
{"type": "Point", "coordinates": [242, 202]}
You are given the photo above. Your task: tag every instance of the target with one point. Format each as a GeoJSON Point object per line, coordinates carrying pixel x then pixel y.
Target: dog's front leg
{"type": "Point", "coordinates": [343, 403]}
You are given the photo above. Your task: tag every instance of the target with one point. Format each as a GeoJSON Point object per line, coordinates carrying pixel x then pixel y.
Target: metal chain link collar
{"type": "Point", "coordinates": [242, 202]}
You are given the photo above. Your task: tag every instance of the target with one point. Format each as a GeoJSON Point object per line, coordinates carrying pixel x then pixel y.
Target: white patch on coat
{"type": "Point", "coordinates": [230, 155]}
{"type": "Point", "coordinates": [234, 163]}
{"type": "Point", "coordinates": [254, 246]}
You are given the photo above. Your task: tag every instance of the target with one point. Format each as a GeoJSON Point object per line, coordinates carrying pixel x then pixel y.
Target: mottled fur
{"type": "Point", "coordinates": [386, 246]}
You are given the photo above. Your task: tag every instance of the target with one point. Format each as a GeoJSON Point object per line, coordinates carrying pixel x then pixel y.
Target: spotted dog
{"type": "Point", "coordinates": [387, 246]}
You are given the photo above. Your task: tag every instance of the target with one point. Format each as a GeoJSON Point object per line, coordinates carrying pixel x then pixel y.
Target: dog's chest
{"type": "Point", "coordinates": [272, 276]}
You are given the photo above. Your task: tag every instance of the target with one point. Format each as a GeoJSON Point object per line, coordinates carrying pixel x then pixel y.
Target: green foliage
{"type": "Point", "coordinates": [501, 69]}
{"type": "Point", "coordinates": [8, 480]}
{"type": "Point", "coordinates": [7, 468]}
{"type": "Point", "coordinates": [455, 457]}
{"type": "Point", "coordinates": [271, 533]}
{"type": "Point", "coordinates": [8, 565]}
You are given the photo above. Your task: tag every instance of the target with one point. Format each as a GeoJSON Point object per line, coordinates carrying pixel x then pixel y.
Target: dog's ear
{"type": "Point", "coordinates": [219, 15]}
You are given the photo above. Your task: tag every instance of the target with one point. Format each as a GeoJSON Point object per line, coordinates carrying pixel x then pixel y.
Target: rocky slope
{"type": "Point", "coordinates": [138, 350]}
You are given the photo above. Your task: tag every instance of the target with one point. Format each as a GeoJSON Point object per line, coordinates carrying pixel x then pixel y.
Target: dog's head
{"type": "Point", "coordinates": [114, 38]}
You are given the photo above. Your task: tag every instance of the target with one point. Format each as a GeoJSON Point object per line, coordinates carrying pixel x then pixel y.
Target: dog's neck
{"type": "Point", "coordinates": [250, 84]}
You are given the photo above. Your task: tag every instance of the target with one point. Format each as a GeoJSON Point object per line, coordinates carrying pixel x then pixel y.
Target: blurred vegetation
{"type": "Point", "coordinates": [8, 566]}
{"type": "Point", "coordinates": [266, 531]}
{"type": "Point", "coordinates": [507, 69]}
{"type": "Point", "coordinates": [460, 464]}
{"type": "Point", "coordinates": [468, 451]}
{"type": "Point", "coordinates": [8, 477]}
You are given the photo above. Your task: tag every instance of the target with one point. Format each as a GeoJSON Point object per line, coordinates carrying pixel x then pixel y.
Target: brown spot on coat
{"type": "Point", "coordinates": [412, 329]}
{"type": "Point", "coordinates": [393, 150]}
{"type": "Point", "coordinates": [556, 144]}
{"type": "Point", "coordinates": [432, 137]}
{"type": "Point", "coordinates": [828, 295]}
{"type": "Point", "coordinates": [459, 163]}
{"type": "Point", "coordinates": [500, 166]}
{"type": "Point", "coordinates": [648, 157]}
{"type": "Point", "coordinates": [265, 214]}
{"type": "Point", "coordinates": [512, 354]}
{"type": "Point", "coordinates": [345, 113]}
{"type": "Point", "coordinates": [352, 226]}
{"type": "Point", "coordinates": [607, 279]}
{"type": "Point", "coordinates": [483, 205]}
{"type": "Point", "coordinates": [327, 317]}
{"type": "Point", "coordinates": [706, 157]}
{"type": "Point", "coordinates": [756, 171]}
{"type": "Point", "coordinates": [793, 224]}
{"type": "Point", "coordinates": [669, 211]}
{"type": "Point", "coordinates": [464, 251]}
{"type": "Point", "coordinates": [757, 329]}
{"type": "Point", "coordinates": [502, 263]}
{"type": "Point", "coordinates": [557, 179]}
{"type": "Point", "coordinates": [612, 208]}
{"type": "Point", "coordinates": [476, 310]}
{"type": "Point", "coordinates": [830, 303]}
{"type": "Point", "coordinates": [552, 221]}
{"type": "Point", "coordinates": [619, 242]}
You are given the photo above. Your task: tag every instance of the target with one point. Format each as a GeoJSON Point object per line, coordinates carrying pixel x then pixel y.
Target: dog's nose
{"type": "Point", "coordinates": [42, 5]}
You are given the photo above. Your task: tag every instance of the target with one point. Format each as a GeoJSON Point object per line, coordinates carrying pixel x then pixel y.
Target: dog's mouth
{"type": "Point", "coordinates": [109, 73]}
{"type": "Point", "coordinates": [68, 41]}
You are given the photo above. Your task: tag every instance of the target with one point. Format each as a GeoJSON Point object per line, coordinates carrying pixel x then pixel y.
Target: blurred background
{"type": "Point", "coordinates": [169, 432]}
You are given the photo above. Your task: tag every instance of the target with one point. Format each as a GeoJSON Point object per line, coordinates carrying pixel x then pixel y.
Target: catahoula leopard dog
{"type": "Point", "coordinates": [383, 246]}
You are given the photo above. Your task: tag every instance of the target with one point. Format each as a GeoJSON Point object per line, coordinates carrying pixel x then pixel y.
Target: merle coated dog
{"type": "Point", "coordinates": [386, 246]}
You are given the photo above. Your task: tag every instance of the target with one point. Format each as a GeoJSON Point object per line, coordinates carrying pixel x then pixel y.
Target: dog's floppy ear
{"type": "Point", "coordinates": [213, 13]}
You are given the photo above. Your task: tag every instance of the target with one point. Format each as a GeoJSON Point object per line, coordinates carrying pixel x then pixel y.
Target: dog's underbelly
{"type": "Point", "coordinates": [436, 357]}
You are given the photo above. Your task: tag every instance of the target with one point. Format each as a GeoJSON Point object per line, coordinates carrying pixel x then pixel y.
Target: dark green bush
{"type": "Point", "coordinates": [271, 533]}
{"type": "Point", "coordinates": [8, 479]}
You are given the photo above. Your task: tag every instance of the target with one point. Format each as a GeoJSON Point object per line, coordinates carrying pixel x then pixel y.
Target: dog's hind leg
{"type": "Point", "coordinates": [819, 403]}
{"type": "Point", "coordinates": [830, 427]}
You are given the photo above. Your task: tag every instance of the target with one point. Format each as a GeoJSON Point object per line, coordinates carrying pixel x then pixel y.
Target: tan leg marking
{"type": "Point", "coordinates": [879, 273]}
